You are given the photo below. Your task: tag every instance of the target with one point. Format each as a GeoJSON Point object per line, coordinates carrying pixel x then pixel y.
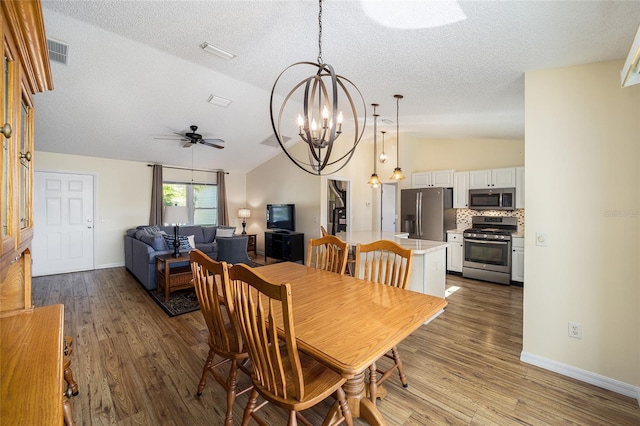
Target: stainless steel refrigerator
{"type": "Point", "coordinates": [427, 213]}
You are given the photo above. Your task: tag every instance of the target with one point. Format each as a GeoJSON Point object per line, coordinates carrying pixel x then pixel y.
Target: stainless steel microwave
{"type": "Point", "coordinates": [492, 199]}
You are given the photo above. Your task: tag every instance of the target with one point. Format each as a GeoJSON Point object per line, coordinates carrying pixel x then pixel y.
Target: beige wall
{"type": "Point", "coordinates": [123, 196]}
{"type": "Point", "coordinates": [460, 154]}
{"type": "Point", "coordinates": [583, 189]}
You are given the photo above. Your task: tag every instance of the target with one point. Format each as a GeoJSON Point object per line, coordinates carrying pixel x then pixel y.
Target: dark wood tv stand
{"type": "Point", "coordinates": [284, 245]}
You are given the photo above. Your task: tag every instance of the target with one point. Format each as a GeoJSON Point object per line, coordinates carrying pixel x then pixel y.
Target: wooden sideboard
{"type": "Point", "coordinates": [31, 366]}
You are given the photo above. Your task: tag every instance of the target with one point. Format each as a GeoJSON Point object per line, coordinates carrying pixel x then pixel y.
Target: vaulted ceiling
{"type": "Point", "coordinates": [135, 70]}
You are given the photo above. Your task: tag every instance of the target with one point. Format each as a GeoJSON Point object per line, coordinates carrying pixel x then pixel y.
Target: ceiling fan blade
{"type": "Point", "coordinates": [169, 138]}
{"type": "Point", "coordinates": [213, 145]}
{"type": "Point", "coordinates": [188, 144]}
{"type": "Point", "coordinates": [213, 140]}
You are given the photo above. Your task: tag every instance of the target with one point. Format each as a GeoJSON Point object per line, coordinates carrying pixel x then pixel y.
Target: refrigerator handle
{"type": "Point", "coordinates": [417, 221]}
{"type": "Point", "coordinates": [420, 215]}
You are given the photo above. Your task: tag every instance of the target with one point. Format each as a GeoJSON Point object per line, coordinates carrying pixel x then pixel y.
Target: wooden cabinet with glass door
{"type": "Point", "coordinates": [25, 71]}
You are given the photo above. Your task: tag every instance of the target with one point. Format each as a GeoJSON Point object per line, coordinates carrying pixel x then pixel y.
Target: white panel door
{"type": "Point", "coordinates": [388, 202]}
{"type": "Point", "coordinates": [63, 223]}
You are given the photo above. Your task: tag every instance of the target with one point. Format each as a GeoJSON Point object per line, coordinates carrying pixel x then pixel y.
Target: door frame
{"type": "Point", "coordinates": [324, 205]}
{"type": "Point", "coordinates": [93, 202]}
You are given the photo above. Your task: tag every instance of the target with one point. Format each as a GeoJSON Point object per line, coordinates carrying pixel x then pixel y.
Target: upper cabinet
{"type": "Point", "coordinates": [25, 71]}
{"type": "Point", "coordinates": [440, 179]}
{"type": "Point", "coordinates": [461, 190]}
{"type": "Point", "coordinates": [492, 178]}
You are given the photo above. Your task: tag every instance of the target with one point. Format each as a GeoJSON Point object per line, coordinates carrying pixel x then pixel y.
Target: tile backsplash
{"type": "Point", "coordinates": [463, 216]}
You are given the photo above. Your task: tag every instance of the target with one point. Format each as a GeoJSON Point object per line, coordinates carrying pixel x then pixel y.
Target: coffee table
{"type": "Point", "coordinates": [171, 279]}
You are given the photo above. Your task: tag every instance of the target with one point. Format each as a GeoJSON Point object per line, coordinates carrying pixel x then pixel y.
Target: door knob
{"type": "Point", "coordinates": [6, 130]}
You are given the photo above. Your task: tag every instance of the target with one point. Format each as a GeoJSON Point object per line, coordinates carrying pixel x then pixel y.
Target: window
{"type": "Point", "coordinates": [200, 199]}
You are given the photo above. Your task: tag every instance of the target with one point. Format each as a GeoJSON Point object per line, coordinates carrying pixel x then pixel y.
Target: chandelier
{"type": "Point", "coordinates": [321, 121]}
{"type": "Point", "coordinates": [397, 172]}
{"type": "Point", "coordinates": [374, 180]}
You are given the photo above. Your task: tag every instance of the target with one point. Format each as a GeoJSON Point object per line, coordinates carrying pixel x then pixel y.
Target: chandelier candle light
{"type": "Point", "coordinates": [374, 181]}
{"type": "Point", "coordinates": [244, 214]}
{"type": "Point", "coordinates": [397, 172]}
{"type": "Point", "coordinates": [321, 121]}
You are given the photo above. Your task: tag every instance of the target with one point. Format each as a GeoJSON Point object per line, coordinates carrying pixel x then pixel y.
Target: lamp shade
{"type": "Point", "coordinates": [176, 215]}
{"type": "Point", "coordinates": [244, 213]}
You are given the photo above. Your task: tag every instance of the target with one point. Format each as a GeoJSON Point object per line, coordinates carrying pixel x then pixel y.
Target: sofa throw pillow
{"type": "Point", "coordinates": [192, 240]}
{"type": "Point", "coordinates": [225, 232]}
{"type": "Point", "coordinates": [156, 241]}
{"type": "Point", "coordinates": [184, 241]}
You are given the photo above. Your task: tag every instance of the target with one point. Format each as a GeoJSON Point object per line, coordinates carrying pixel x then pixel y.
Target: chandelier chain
{"type": "Point", "coordinates": [320, 34]}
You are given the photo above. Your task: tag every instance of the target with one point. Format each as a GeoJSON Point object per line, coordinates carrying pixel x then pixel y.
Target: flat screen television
{"type": "Point", "coordinates": [281, 216]}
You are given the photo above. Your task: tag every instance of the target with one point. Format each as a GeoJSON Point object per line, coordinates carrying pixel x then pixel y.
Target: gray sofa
{"type": "Point", "coordinates": [144, 243]}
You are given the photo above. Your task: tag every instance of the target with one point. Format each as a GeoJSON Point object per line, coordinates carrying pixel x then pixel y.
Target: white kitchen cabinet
{"type": "Point", "coordinates": [519, 187]}
{"type": "Point", "coordinates": [461, 190]}
{"type": "Point", "coordinates": [455, 252]}
{"type": "Point", "coordinates": [492, 178]}
{"type": "Point", "coordinates": [517, 259]}
{"type": "Point", "coordinates": [439, 179]}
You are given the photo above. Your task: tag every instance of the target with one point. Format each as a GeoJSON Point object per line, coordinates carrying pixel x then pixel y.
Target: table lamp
{"type": "Point", "coordinates": [175, 215]}
{"type": "Point", "coordinates": [244, 214]}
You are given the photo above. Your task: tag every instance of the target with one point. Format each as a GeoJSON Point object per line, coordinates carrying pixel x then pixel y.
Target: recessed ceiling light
{"type": "Point", "coordinates": [217, 100]}
{"type": "Point", "coordinates": [217, 51]}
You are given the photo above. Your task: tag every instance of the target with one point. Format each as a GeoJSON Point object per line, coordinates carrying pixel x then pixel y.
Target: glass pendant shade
{"type": "Point", "coordinates": [374, 181]}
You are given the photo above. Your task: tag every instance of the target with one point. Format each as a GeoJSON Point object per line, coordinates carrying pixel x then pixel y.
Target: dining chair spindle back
{"type": "Point", "coordinates": [384, 262]}
{"type": "Point", "coordinates": [211, 282]}
{"type": "Point", "coordinates": [280, 374]}
{"type": "Point", "coordinates": [329, 253]}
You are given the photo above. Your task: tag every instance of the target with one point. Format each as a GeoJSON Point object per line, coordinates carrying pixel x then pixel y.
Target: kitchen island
{"type": "Point", "coordinates": [428, 272]}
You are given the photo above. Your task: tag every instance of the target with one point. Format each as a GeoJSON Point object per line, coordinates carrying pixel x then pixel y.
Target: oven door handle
{"type": "Point", "coordinates": [487, 242]}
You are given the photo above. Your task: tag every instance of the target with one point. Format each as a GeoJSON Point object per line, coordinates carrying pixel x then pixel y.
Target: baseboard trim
{"type": "Point", "coordinates": [582, 375]}
{"type": "Point", "coordinates": [110, 265]}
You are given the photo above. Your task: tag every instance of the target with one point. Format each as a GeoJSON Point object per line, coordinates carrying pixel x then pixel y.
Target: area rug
{"type": "Point", "coordinates": [180, 301]}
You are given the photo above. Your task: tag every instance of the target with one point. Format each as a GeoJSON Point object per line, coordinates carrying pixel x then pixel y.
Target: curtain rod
{"type": "Point", "coordinates": [186, 168]}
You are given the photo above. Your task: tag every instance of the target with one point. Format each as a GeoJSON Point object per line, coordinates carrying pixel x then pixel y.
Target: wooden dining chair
{"type": "Point", "coordinates": [280, 374]}
{"type": "Point", "coordinates": [328, 253]}
{"type": "Point", "coordinates": [323, 231]}
{"type": "Point", "coordinates": [211, 282]}
{"type": "Point", "coordinates": [384, 262]}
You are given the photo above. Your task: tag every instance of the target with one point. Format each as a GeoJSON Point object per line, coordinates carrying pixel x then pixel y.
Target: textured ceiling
{"type": "Point", "coordinates": [136, 70]}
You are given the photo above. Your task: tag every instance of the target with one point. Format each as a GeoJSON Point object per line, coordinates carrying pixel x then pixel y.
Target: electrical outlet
{"type": "Point", "coordinates": [575, 330]}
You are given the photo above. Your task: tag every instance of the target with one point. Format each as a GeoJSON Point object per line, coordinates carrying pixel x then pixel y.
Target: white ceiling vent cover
{"type": "Point", "coordinates": [57, 51]}
{"type": "Point", "coordinates": [272, 141]}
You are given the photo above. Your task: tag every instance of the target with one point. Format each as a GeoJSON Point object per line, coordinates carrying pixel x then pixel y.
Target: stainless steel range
{"type": "Point", "coordinates": [487, 248]}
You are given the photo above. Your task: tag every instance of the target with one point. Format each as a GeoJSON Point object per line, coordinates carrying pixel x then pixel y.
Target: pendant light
{"type": "Point", "coordinates": [397, 172]}
{"type": "Point", "coordinates": [374, 181]}
{"type": "Point", "coordinates": [321, 119]}
{"type": "Point", "coordinates": [383, 155]}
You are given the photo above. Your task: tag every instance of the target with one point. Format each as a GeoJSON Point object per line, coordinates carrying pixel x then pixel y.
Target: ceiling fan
{"type": "Point", "coordinates": [191, 138]}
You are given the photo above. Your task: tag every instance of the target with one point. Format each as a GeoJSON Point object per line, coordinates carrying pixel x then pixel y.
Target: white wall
{"type": "Point", "coordinates": [123, 196]}
{"type": "Point", "coordinates": [582, 150]}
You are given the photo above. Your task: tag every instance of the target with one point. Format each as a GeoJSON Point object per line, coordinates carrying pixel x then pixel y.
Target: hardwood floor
{"type": "Point", "coordinates": [137, 366]}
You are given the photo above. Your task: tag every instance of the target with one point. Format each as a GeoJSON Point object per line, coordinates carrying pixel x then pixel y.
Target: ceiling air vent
{"type": "Point", "coordinates": [57, 51]}
{"type": "Point", "coordinates": [272, 141]}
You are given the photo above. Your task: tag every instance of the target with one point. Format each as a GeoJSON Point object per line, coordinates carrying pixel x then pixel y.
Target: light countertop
{"type": "Point", "coordinates": [418, 246]}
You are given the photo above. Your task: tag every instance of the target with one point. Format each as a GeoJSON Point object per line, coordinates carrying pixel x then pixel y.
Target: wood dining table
{"type": "Point", "coordinates": [348, 323]}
